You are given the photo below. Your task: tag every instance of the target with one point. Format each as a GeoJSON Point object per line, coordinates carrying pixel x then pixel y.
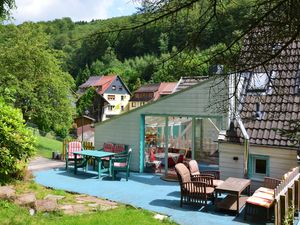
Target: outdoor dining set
{"type": "Point", "coordinates": [196, 187]}
{"type": "Point", "coordinates": [231, 194]}
{"type": "Point", "coordinates": [111, 158]}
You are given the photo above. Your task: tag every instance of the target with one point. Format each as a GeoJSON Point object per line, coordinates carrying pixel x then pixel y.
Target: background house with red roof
{"type": "Point", "coordinates": [113, 97]}
{"type": "Point", "coordinates": [151, 92]}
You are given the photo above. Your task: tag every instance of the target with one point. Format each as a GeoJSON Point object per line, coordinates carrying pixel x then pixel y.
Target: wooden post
{"type": "Point", "coordinates": [290, 197]}
{"type": "Point", "coordinates": [276, 213]}
{"type": "Point", "coordinates": [296, 195]}
{"type": "Point", "coordinates": [282, 209]}
{"type": "Point", "coordinates": [289, 201]}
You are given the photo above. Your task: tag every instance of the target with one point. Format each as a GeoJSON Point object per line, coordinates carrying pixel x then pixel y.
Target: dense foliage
{"type": "Point", "coordinates": [16, 143]}
{"type": "Point", "coordinates": [32, 78]}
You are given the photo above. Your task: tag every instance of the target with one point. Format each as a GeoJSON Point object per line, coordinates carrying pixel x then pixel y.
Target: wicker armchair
{"type": "Point", "coordinates": [194, 169]}
{"type": "Point", "coordinates": [197, 190]}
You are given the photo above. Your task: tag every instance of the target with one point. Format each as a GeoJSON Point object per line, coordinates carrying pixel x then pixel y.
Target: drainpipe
{"type": "Point", "coordinates": [237, 90]}
{"type": "Point", "coordinates": [246, 145]}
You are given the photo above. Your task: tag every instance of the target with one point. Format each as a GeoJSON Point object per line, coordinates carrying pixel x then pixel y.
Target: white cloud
{"type": "Point", "coordinates": [43, 10]}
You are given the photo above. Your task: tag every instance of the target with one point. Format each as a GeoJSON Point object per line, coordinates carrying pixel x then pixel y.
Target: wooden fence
{"type": "Point", "coordinates": [287, 198]}
{"type": "Point", "coordinates": [86, 145]}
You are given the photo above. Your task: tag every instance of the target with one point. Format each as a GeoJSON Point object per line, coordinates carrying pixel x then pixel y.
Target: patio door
{"type": "Point", "coordinates": [206, 142]}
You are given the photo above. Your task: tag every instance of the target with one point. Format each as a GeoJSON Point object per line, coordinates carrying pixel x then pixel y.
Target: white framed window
{"type": "Point", "coordinates": [123, 97]}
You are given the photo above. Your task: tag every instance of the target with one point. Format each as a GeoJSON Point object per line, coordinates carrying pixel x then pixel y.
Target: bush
{"type": "Point", "coordinates": [16, 143]}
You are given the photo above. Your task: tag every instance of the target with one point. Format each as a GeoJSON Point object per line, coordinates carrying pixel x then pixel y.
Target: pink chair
{"type": "Point", "coordinates": [74, 146]}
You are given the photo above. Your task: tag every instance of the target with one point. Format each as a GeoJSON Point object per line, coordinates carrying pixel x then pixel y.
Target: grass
{"type": "Point", "coordinates": [45, 146]}
{"type": "Point", "coordinates": [11, 213]}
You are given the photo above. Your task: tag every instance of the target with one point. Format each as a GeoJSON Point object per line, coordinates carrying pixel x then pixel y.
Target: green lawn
{"type": "Point", "coordinates": [45, 146]}
{"type": "Point", "coordinates": [13, 214]}
{"type": "Point", "coordinates": [10, 213]}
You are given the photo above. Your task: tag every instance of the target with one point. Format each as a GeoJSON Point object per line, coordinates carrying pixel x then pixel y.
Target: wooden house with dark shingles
{"type": "Point", "coordinates": [267, 102]}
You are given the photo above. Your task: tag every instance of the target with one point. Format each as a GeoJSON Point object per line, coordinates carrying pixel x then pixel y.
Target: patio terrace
{"type": "Point", "coordinates": [147, 191]}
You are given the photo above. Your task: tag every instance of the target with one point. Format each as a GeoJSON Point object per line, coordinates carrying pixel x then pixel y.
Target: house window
{"type": "Point", "coordinates": [258, 82]}
{"type": "Point", "coordinates": [122, 97]}
{"type": "Point", "coordinates": [133, 104]}
{"type": "Point", "coordinates": [111, 107]}
{"type": "Point", "coordinates": [111, 97]}
{"type": "Point", "coordinates": [120, 88]}
{"type": "Point", "coordinates": [122, 107]}
{"type": "Point", "coordinates": [259, 166]}
{"type": "Point", "coordinates": [113, 87]}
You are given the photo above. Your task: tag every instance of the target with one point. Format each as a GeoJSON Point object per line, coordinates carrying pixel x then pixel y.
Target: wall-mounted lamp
{"type": "Point", "coordinates": [235, 158]}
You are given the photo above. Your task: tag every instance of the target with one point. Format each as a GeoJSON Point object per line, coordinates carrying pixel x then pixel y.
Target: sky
{"type": "Point", "coordinates": [77, 10]}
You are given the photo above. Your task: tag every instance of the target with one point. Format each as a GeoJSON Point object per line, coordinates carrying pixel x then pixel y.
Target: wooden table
{"type": "Point", "coordinates": [233, 187]}
{"type": "Point", "coordinates": [98, 155]}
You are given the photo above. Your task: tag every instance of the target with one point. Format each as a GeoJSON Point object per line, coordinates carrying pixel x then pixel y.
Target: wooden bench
{"type": "Point", "coordinates": [263, 197]}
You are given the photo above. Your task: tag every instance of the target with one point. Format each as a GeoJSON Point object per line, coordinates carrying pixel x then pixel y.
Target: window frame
{"type": "Point", "coordinates": [111, 97]}
{"type": "Point", "coordinates": [252, 166]}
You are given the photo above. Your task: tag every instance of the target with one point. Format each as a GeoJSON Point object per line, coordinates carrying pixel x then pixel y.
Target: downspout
{"type": "Point", "coordinates": [238, 90]}
{"type": "Point", "coordinates": [246, 145]}
{"type": "Point", "coordinates": [242, 86]}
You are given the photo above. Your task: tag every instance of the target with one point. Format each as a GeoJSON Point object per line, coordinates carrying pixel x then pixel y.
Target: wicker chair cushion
{"type": "Point", "coordinates": [266, 203]}
{"type": "Point", "coordinates": [183, 172]}
{"type": "Point", "coordinates": [217, 182]}
{"type": "Point", "coordinates": [193, 166]}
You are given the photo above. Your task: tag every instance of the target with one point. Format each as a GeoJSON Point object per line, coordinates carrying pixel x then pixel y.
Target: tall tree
{"type": "Point", "coordinates": [39, 87]}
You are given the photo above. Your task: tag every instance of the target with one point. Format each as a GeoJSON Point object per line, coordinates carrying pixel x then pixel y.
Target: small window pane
{"type": "Point", "coordinates": [261, 166]}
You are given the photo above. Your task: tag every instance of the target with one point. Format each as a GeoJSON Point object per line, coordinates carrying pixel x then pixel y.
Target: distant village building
{"type": "Point", "coordinates": [151, 92]}
{"type": "Point", "coordinates": [113, 96]}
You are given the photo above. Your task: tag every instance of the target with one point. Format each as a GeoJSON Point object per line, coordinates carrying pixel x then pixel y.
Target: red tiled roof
{"type": "Point", "coordinates": [105, 82]}
{"type": "Point", "coordinates": [165, 88]}
{"type": "Point", "coordinates": [96, 81]}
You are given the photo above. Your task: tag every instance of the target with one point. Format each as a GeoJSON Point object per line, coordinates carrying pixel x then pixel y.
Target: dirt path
{"type": "Point", "coordinates": [40, 163]}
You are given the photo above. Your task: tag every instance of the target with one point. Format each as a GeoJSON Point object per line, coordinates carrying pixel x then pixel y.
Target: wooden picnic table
{"type": "Point", "coordinates": [98, 155]}
{"type": "Point", "coordinates": [234, 188]}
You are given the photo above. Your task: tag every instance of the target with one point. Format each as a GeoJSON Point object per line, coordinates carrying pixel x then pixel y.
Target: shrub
{"type": "Point", "coordinates": [16, 143]}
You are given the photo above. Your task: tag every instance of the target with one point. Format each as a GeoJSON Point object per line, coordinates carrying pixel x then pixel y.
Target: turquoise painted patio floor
{"type": "Point", "coordinates": [147, 191]}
